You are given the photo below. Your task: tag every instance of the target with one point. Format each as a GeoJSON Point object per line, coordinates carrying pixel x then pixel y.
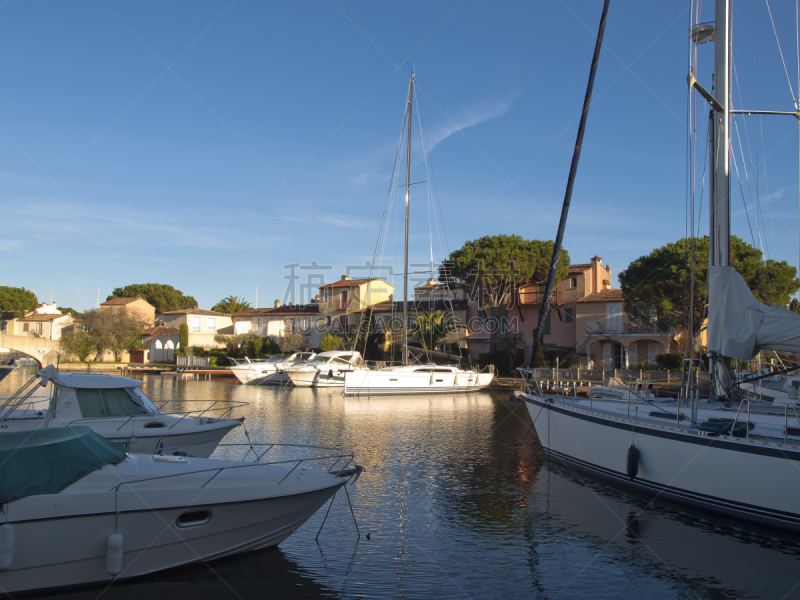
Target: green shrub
{"type": "Point", "coordinates": [183, 335]}
{"type": "Point", "coordinates": [330, 342]}
{"type": "Point", "coordinates": [669, 361]}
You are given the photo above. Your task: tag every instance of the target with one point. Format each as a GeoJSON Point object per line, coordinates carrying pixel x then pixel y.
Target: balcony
{"type": "Point", "coordinates": [602, 328]}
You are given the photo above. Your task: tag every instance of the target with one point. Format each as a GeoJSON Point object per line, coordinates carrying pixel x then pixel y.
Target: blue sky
{"type": "Point", "coordinates": [208, 144]}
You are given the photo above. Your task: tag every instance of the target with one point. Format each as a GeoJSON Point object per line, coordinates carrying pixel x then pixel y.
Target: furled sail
{"type": "Point", "coordinates": [739, 326]}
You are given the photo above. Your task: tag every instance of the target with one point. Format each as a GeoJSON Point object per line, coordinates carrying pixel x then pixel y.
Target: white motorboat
{"type": "Point", "coordinates": [414, 379]}
{"type": "Point", "coordinates": [117, 409]}
{"type": "Point", "coordinates": [270, 371]}
{"type": "Point", "coordinates": [93, 513]}
{"type": "Point", "coordinates": [699, 456]}
{"type": "Point", "coordinates": [326, 369]}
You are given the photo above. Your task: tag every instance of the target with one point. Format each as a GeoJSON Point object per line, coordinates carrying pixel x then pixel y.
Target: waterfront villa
{"type": "Point", "coordinates": [280, 320]}
{"type": "Point", "coordinates": [138, 309]}
{"type": "Point", "coordinates": [203, 325]}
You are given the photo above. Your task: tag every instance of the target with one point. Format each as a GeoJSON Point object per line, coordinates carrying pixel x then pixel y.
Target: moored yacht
{"type": "Point", "coordinates": [725, 461]}
{"type": "Point", "coordinates": [77, 509]}
{"type": "Point", "coordinates": [116, 408]}
{"type": "Point", "coordinates": [415, 379]}
{"type": "Point", "coordinates": [326, 369]}
{"type": "Point", "coordinates": [270, 371]}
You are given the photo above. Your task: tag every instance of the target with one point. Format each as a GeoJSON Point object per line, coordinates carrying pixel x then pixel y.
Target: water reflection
{"type": "Point", "coordinates": [460, 502]}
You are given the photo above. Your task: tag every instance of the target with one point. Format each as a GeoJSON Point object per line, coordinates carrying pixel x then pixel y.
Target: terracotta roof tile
{"type": "Point", "coordinates": [609, 295]}
{"type": "Point", "coordinates": [196, 311]}
{"type": "Point", "coordinates": [581, 267]}
{"type": "Point", "coordinates": [161, 330]}
{"type": "Point", "coordinates": [280, 311]}
{"type": "Point", "coordinates": [44, 318]}
{"type": "Point", "coordinates": [119, 301]}
{"type": "Point", "coordinates": [352, 283]}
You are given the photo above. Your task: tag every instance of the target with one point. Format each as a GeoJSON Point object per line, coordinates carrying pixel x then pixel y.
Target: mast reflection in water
{"type": "Point", "coordinates": [459, 502]}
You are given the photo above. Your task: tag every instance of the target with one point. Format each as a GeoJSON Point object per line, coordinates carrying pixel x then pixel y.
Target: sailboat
{"type": "Point", "coordinates": [413, 378]}
{"type": "Point", "coordinates": [719, 463]}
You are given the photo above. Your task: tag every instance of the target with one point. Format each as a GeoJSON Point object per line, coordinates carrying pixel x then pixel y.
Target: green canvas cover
{"type": "Point", "coordinates": [46, 461]}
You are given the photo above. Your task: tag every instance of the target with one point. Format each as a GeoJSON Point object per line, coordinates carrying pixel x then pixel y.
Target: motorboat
{"type": "Point", "coordinates": [270, 371]}
{"type": "Point", "coordinates": [326, 369]}
{"type": "Point", "coordinates": [116, 408]}
{"type": "Point", "coordinates": [722, 456]}
{"type": "Point", "coordinates": [415, 379]}
{"type": "Point", "coordinates": [77, 509]}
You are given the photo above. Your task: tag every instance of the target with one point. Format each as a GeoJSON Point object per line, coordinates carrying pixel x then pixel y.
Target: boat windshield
{"type": "Point", "coordinates": [276, 358]}
{"type": "Point", "coordinates": [113, 402]}
{"type": "Point", "coordinates": [320, 359]}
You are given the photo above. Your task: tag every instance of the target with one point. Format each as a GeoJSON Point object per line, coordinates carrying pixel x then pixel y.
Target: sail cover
{"type": "Point", "coordinates": [739, 326]}
{"type": "Point", "coordinates": [45, 461]}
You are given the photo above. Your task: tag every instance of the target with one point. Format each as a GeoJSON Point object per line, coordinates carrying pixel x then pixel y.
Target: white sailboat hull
{"type": "Point", "coordinates": [318, 378]}
{"type": "Point", "coordinates": [399, 381]}
{"type": "Point", "coordinates": [742, 478]}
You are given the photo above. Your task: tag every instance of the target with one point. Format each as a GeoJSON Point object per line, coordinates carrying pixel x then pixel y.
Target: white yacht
{"type": "Point", "coordinates": [408, 378]}
{"type": "Point", "coordinates": [117, 409]}
{"type": "Point", "coordinates": [326, 369]}
{"type": "Point", "coordinates": [270, 371]}
{"type": "Point", "coordinates": [414, 379]}
{"type": "Point", "coordinates": [77, 509]}
{"type": "Point", "coordinates": [723, 457]}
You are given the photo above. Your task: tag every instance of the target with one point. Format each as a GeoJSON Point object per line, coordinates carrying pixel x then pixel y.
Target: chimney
{"type": "Point", "coordinates": [431, 281]}
{"type": "Point", "coordinates": [345, 277]}
{"type": "Point", "coordinates": [277, 303]}
{"type": "Point", "coordinates": [597, 264]}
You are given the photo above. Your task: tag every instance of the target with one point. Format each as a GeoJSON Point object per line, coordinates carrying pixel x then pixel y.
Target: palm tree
{"type": "Point", "coordinates": [431, 327]}
{"type": "Point", "coordinates": [232, 304]}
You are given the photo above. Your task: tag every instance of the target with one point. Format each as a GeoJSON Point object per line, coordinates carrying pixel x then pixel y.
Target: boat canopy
{"type": "Point", "coordinates": [86, 380]}
{"type": "Point", "coordinates": [740, 326]}
{"type": "Point", "coordinates": [45, 461]}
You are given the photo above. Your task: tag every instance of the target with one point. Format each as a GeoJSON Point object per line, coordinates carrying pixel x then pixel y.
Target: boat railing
{"type": "Point", "coordinates": [20, 397]}
{"type": "Point", "coordinates": [330, 460]}
{"type": "Point", "coordinates": [216, 409]}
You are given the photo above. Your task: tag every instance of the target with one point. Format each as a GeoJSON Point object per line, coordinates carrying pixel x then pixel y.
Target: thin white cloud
{"type": "Point", "coordinates": [469, 118]}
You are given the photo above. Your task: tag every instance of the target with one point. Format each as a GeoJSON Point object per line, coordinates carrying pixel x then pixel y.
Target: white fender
{"type": "Point", "coordinates": [114, 554]}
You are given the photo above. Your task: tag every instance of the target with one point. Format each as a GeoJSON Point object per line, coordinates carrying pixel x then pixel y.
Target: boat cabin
{"type": "Point", "coordinates": [86, 396]}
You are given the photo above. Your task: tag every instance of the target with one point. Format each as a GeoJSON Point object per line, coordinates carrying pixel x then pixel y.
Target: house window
{"type": "Point", "coordinates": [26, 327]}
{"type": "Point", "coordinates": [211, 324]}
{"type": "Point", "coordinates": [324, 295]}
{"type": "Point", "coordinates": [38, 329]}
{"type": "Point", "coordinates": [569, 315]}
{"type": "Point", "coordinates": [328, 320]}
{"type": "Point", "coordinates": [343, 320]}
{"type": "Point", "coordinates": [547, 325]}
{"type": "Point", "coordinates": [344, 299]}
{"type": "Point", "coordinates": [196, 325]}
{"type": "Point", "coordinates": [573, 283]}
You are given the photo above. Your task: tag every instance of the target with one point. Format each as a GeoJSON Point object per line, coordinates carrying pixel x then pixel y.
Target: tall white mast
{"type": "Point", "coordinates": [719, 196]}
{"type": "Point", "coordinates": [408, 195]}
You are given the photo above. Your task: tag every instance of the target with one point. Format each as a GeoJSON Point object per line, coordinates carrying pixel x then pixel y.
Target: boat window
{"type": "Point", "coordinates": [340, 361]}
{"type": "Point", "coordinates": [144, 401]}
{"type": "Point", "coordinates": [90, 403]}
{"type": "Point", "coordinates": [118, 403]}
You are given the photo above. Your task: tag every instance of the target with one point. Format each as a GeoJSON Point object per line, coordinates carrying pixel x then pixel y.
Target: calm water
{"type": "Point", "coordinates": [460, 502]}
